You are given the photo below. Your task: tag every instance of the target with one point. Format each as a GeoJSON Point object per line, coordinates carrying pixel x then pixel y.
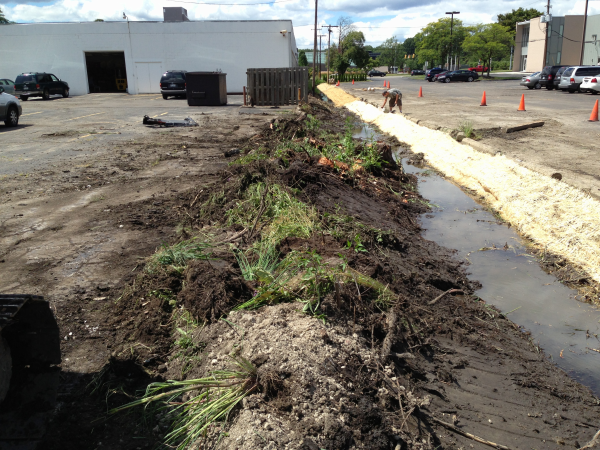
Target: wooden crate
{"type": "Point", "coordinates": [277, 87]}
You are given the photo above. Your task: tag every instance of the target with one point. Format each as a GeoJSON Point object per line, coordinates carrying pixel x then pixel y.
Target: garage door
{"type": "Point", "coordinates": [148, 77]}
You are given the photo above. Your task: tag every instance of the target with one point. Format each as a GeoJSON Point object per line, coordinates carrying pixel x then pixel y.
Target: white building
{"type": "Point", "coordinates": [92, 56]}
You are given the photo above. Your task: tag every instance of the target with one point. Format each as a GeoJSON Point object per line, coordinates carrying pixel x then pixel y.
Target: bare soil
{"type": "Point", "coordinates": [425, 372]}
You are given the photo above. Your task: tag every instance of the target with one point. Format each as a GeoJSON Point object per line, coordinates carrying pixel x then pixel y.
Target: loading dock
{"type": "Point", "coordinates": [106, 71]}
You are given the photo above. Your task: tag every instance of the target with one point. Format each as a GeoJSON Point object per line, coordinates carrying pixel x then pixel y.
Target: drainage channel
{"type": "Point", "coordinates": [567, 330]}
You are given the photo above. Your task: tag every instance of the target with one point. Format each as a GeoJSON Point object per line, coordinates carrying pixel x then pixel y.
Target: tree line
{"type": "Point", "coordinates": [434, 45]}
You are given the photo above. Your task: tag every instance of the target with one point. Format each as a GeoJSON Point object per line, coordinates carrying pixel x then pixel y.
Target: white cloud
{"type": "Point", "coordinates": [377, 19]}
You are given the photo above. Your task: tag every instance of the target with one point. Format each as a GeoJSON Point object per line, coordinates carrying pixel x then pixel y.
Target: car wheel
{"type": "Point", "coordinates": [165, 96]}
{"type": "Point", "coordinates": [593, 92]}
{"type": "Point", "coordinates": [447, 80]}
{"type": "Point", "coordinates": [430, 80]}
{"type": "Point", "coordinates": [12, 118]}
{"type": "Point", "coordinates": [46, 94]}
{"type": "Point", "coordinates": [470, 79]}
{"type": "Point", "coordinates": [65, 93]}
{"type": "Point", "coordinates": [24, 98]}
{"type": "Point", "coordinates": [549, 88]}
{"type": "Point", "coordinates": [529, 87]}
{"type": "Point", "coordinates": [538, 86]}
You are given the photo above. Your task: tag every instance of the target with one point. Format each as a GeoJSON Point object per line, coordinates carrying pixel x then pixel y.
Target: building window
{"type": "Point", "coordinates": [561, 30]}
{"type": "Point", "coordinates": [557, 57]}
{"type": "Point", "coordinates": [525, 37]}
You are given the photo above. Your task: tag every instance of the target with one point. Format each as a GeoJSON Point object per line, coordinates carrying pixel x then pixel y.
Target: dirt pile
{"type": "Point", "coordinates": [355, 331]}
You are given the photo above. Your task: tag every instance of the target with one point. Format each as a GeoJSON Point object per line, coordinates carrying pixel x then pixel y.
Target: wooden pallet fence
{"type": "Point", "coordinates": [277, 86]}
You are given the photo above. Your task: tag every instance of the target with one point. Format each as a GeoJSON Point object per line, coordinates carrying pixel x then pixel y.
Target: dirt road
{"type": "Point", "coordinates": [365, 351]}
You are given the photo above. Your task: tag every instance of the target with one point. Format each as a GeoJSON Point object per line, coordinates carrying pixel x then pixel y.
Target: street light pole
{"type": "Point", "coordinates": [451, 27]}
{"type": "Point", "coordinates": [329, 27]}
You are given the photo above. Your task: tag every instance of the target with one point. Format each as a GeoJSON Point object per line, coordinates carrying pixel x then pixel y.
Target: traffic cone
{"type": "Point", "coordinates": [420, 91]}
{"type": "Point", "coordinates": [522, 104]}
{"type": "Point", "coordinates": [352, 80]}
{"type": "Point", "coordinates": [384, 83]}
{"type": "Point", "coordinates": [484, 102]}
{"type": "Point", "coordinates": [594, 115]}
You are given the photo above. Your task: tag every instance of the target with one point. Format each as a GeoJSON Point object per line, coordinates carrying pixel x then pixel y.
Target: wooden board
{"type": "Point", "coordinates": [524, 126]}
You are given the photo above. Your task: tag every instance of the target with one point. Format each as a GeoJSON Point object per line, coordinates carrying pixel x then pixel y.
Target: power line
{"type": "Point", "coordinates": [233, 4]}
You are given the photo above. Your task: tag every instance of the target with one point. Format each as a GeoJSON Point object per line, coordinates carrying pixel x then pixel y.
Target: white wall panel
{"type": "Point", "coordinates": [232, 46]}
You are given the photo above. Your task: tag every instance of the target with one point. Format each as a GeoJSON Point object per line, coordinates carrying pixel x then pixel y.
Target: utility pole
{"type": "Point", "coordinates": [546, 42]}
{"type": "Point", "coordinates": [451, 27]}
{"type": "Point", "coordinates": [583, 37]}
{"type": "Point", "coordinates": [329, 27]}
{"type": "Point", "coordinates": [320, 52]}
{"type": "Point", "coordinates": [315, 46]}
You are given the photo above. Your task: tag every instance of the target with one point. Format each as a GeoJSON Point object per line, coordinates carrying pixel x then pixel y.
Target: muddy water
{"type": "Point", "coordinates": [512, 280]}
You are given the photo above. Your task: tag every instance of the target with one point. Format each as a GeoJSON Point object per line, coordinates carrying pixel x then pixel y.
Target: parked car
{"type": "Point", "coordinates": [376, 73]}
{"type": "Point", "coordinates": [531, 81]}
{"type": "Point", "coordinates": [172, 83]}
{"type": "Point", "coordinates": [547, 76]}
{"type": "Point", "coordinates": [433, 72]}
{"type": "Point", "coordinates": [590, 84]}
{"type": "Point", "coordinates": [558, 76]}
{"type": "Point", "coordinates": [40, 84]}
{"type": "Point", "coordinates": [573, 77]}
{"type": "Point", "coordinates": [437, 75]}
{"type": "Point", "coordinates": [479, 68]}
{"type": "Point", "coordinates": [457, 75]}
{"type": "Point", "coordinates": [10, 108]}
{"type": "Point", "coordinates": [8, 85]}
{"type": "Point", "coordinates": [417, 72]}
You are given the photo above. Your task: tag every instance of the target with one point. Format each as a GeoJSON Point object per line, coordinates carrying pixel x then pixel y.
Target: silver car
{"type": "Point", "coordinates": [573, 77]}
{"type": "Point", "coordinates": [8, 85]}
{"type": "Point", "coordinates": [10, 108]}
{"type": "Point", "coordinates": [532, 81]}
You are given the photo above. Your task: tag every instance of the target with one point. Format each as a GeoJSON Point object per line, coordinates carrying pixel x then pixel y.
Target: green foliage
{"type": "Point", "coordinates": [434, 43]}
{"type": "Point", "coordinates": [302, 59]}
{"type": "Point", "coordinates": [99, 20]}
{"type": "Point", "coordinates": [211, 399]}
{"type": "Point", "coordinates": [179, 254]}
{"type": "Point", "coordinates": [392, 53]}
{"type": "Point", "coordinates": [3, 19]}
{"type": "Point", "coordinates": [509, 20]}
{"type": "Point", "coordinates": [410, 47]}
{"type": "Point", "coordinates": [263, 260]}
{"type": "Point", "coordinates": [354, 49]}
{"type": "Point", "coordinates": [488, 41]}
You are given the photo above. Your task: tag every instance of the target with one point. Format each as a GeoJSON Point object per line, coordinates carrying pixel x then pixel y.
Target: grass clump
{"type": "Point", "coordinates": [210, 400]}
{"type": "Point", "coordinates": [178, 255]}
{"type": "Point", "coordinates": [466, 126]}
{"type": "Point", "coordinates": [282, 214]}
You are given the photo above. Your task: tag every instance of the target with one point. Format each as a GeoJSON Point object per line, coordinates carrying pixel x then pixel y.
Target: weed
{"type": "Point", "coordinates": [211, 400]}
{"type": "Point", "coordinates": [264, 259]}
{"type": "Point", "coordinates": [255, 155]}
{"type": "Point", "coordinates": [466, 127]}
{"type": "Point", "coordinates": [179, 254]}
{"type": "Point", "coordinates": [312, 123]}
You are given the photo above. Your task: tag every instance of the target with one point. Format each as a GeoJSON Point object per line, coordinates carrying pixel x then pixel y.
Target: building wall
{"type": "Point", "coordinates": [537, 39]}
{"type": "Point", "coordinates": [571, 51]}
{"type": "Point", "coordinates": [591, 52]}
{"type": "Point", "coordinates": [150, 49]}
{"type": "Point", "coordinates": [518, 44]}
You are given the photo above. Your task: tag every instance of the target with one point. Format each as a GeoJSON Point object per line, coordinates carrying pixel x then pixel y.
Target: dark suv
{"type": "Point", "coordinates": [433, 72]}
{"type": "Point", "coordinates": [39, 84]}
{"type": "Point", "coordinates": [547, 76]}
{"type": "Point", "coordinates": [172, 83]}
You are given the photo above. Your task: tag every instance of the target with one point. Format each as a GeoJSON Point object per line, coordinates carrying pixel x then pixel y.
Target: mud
{"type": "Point", "coordinates": [417, 372]}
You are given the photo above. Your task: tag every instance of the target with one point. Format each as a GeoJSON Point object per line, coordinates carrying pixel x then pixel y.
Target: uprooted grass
{"type": "Point", "coordinates": [211, 399]}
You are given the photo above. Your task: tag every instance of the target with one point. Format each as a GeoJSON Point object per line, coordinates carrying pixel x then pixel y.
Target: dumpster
{"type": "Point", "coordinates": [206, 88]}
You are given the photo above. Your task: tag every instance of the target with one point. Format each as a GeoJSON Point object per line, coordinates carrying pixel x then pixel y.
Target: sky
{"type": "Point", "coordinates": [377, 19]}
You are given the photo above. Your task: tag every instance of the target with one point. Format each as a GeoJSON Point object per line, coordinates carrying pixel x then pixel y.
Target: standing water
{"type": "Point", "coordinates": [566, 329]}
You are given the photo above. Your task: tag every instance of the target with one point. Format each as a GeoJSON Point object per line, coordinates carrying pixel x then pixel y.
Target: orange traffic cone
{"type": "Point", "coordinates": [384, 83]}
{"type": "Point", "coordinates": [420, 91]}
{"type": "Point", "coordinates": [338, 83]}
{"type": "Point", "coordinates": [594, 115]}
{"type": "Point", "coordinates": [352, 80]}
{"type": "Point", "coordinates": [522, 104]}
{"type": "Point", "coordinates": [484, 102]}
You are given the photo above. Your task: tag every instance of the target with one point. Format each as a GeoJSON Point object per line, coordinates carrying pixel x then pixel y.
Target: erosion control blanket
{"type": "Point", "coordinates": [556, 216]}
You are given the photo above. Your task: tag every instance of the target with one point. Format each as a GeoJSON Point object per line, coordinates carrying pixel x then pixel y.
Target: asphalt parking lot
{"type": "Point", "coordinates": [87, 119]}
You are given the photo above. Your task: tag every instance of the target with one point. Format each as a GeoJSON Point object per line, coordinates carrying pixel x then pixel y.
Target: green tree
{"type": "Point", "coordinates": [439, 40]}
{"type": "Point", "coordinates": [354, 48]}
{"type": "Point", "coordinates": [99, 20]}
{"type": "Point", "coordinates": [409, 46]}
{"type": "Point", "coordinates": [489, 41]}
{"type": "Point", "coordinates": [392, 53]}
{"type": "Point", "coordinates": [3, 19]}
{"type": "Point", "coordinates": [302, 59]}
{"type": "Point", "coordinates": [345, 27]}
{"type": "Point", "coordinates": [509, 20]}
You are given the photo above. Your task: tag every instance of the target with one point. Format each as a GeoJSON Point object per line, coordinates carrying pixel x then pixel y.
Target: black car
{"type": "Point", "coordinates": [376, 73]}
{"type": "Point", "coordinates": [557, 77]}
{"type": "Point", "coordinates": [433, 72]}
{"type": "Point", "coordinates": [417, 72]}
{"type": "Point", "coordinates": [40, 84]}
{"type": "Point", "coordinates": [172, 83]}
{"type": "Point", "coordinates": [547, 76]}
{"type": "Point", "coordinates": [458, 75]}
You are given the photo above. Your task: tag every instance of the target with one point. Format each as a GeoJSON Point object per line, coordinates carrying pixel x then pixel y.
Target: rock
{"type": "Point", "coordinates": [460, 136]}
{"type": "Point", "coordinates": [556, 176]}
